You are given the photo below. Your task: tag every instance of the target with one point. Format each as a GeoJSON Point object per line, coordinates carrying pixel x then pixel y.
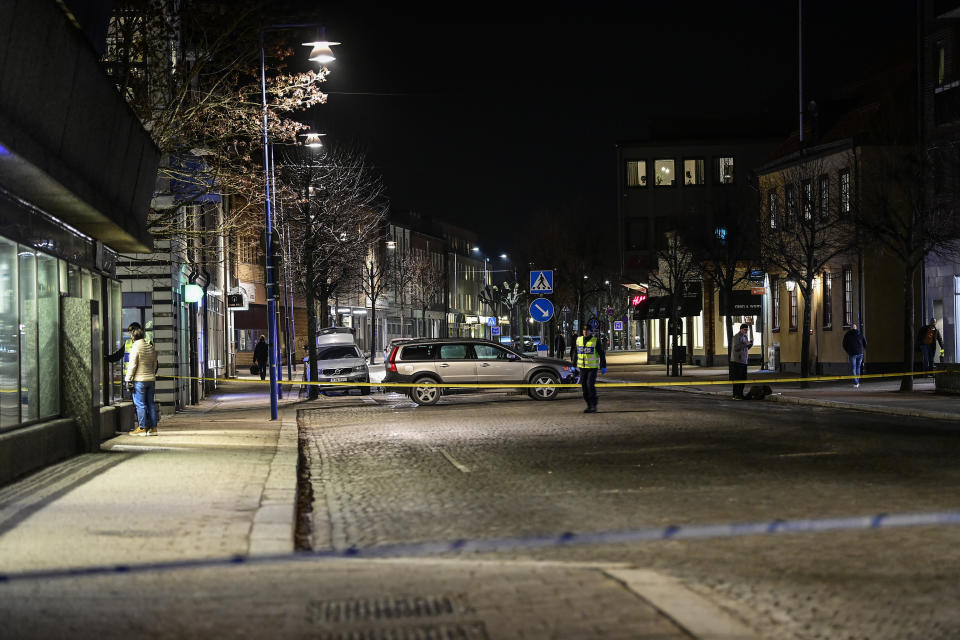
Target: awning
{"type": "Point", "coordinates": [741, 303]}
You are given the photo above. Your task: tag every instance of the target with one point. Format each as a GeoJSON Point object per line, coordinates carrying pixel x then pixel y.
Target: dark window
{"type": "Point", "coordinates": [847, 296]}
{"type": "Point", "coordinates": [418, 352]}
{"type": "Point", "coordinates": [824, 196]}
{"type": "Point", "coordinates": [794, 312]}
{"type": "Point", "coordinates": [940, 62]}
{"type": "Point", "coordinates": [775, 302]}
{"type": "Point", "coordinates": [790, 195]}
{"type": "Point", "coordinates": [827, 301]}
{"type": "Point", "coordinates": [773, 205]}
{"type": "Point", "coordinates": [806, 197]}
{"type": "Point", "coordinates": [455, 352]}
{"type": "Point", "coordinates": [844, 191]}
{"type": "Point", "coordinates": [338, 352]}
{"type": "Point", "coordinates": [637, 235]}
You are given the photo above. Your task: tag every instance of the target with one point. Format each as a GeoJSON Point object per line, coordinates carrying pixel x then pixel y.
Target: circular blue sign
{"type": "Point", "coordinates": [541, 310]}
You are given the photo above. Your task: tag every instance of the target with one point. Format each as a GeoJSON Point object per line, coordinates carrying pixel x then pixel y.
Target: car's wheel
{"type": "Point", "coordinates": [426, 391]}
{"type": "Point", "coordinates": [365, 391]}
{"type": "Point", "coordinates": [543, 393]}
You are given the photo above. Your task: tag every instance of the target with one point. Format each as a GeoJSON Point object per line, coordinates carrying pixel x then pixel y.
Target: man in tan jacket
{"type": "Point", "coordinates": [142, 374]}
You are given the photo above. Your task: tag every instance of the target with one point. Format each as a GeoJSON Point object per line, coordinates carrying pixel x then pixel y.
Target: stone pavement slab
{"type": "Point", "coordinates": [360, 600]}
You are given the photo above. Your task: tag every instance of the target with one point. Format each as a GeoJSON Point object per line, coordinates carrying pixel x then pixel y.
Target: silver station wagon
{"type": "Point", "coordinates": [431, 361]}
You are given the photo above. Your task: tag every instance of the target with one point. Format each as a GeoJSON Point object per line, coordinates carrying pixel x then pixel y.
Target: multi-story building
{"type": "Point", "coordinates": [940, 130]}
{"type": "Point", "coordinates": [76, 175]}
{"type": "Point", "coordinates": [669, 186]}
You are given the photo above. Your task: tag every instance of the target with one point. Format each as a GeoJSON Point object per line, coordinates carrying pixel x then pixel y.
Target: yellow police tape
{"type": "Point", "coordinates": [603, 385]}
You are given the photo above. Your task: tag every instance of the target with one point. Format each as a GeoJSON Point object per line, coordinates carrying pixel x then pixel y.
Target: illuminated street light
{"type": "Point", "coordinates": [312, 140]}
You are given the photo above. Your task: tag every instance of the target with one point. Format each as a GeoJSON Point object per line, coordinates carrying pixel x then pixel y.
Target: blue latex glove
{"type": "Point", "coordinates": [604, 370]}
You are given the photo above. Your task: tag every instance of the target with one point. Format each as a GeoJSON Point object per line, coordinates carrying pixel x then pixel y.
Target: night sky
{"type": "Point", "coordinates": [485, 118]}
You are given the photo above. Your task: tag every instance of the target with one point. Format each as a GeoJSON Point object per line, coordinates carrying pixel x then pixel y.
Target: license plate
{"type": "Point", "coordinates": [338, 379]}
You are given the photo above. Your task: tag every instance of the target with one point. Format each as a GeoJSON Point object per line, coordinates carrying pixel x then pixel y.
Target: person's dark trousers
{"type": "Point", "coordinates": [926, 350]}
{"type": "Point", "coordinates": [263, 370]}
{"type": "Point", "coordinates": [738, 371]}
{"type": "Point", "coordinates": [588, 380]}
{"type": "Point", "coordinates": [856, 366]}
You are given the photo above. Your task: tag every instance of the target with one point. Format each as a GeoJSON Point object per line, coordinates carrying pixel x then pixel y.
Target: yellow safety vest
{"type": "Point", "coordinates": [127, 346]}
{"type": "Point", "coordinates": [587, 356]}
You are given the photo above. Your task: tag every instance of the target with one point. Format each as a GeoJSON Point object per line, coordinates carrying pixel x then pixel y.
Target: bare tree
{"type": "Point", "coordinates": [191, 73]}
{"type": "Point", "coordinates": [677, 269]}
{"type": "Point", "coordinates": [899, 217]}
{"type": "Point", "coordinates": [808, 234]}
{"type": "Point", "coordinates": [334, 210]}
{"type": "Point", "coordinates": [726, 245]}
{"type": "Point", "coordinates": [375, 278]}
{"type": "Point", "coordinates": [426, 284]}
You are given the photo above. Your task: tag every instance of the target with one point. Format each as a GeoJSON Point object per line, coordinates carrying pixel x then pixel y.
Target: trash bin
{"type": "Point", "coordinates": [773, 357]}
{"type": "Point", "coordinates": [680, 353]}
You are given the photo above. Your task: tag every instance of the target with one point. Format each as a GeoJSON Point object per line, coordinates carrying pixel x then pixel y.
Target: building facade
{"type": "Point", "coordinates": [76, 175]}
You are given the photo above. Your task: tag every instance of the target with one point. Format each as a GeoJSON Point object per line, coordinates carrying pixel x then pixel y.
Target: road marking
{"type": "Point", "coordinates": [808, 454]}
{"type": "Point", "coordinates": [462, 467]}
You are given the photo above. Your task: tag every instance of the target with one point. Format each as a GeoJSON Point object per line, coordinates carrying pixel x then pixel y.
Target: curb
{"type": "Point", "coordinates": [274, 522]}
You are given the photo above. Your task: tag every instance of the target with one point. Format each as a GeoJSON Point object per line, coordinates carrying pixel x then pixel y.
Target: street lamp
{"type": "Point", "coordinates": [322, 54]}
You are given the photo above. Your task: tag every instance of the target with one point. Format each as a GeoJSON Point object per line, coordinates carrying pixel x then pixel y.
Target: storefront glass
{"type": "Point", "coordinates": [9, 336]}
{"type": "Point", "coordinates": [48, 329]}
{"type": "Point", "coordinates": [29, 385]}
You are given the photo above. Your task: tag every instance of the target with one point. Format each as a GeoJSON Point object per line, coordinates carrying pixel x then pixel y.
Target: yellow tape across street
{"type": "Point", "coordinates": [600, 385]}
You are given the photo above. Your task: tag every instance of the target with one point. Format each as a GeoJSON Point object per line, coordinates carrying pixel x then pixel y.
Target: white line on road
{"type": "Point", "coordinates": [459, 465]}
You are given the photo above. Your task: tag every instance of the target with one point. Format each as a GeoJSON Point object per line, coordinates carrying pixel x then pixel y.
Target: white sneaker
{"type": "Point", "coordinates": [856, 385]}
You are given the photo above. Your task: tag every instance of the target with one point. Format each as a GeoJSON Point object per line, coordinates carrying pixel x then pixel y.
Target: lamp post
{"type": "Point", "coordinates": [322, 54]}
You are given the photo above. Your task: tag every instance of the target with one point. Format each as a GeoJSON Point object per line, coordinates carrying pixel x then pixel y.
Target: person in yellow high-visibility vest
{"type": "Point", "coordinates": [591, 358]}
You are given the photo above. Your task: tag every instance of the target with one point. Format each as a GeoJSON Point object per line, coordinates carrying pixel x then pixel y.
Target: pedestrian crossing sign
{"type": "Point", "coordinates": [541, 282]}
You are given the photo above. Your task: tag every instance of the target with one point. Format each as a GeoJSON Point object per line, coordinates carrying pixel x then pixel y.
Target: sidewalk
{"type": "Point", "coordinates": [191, 535]}
{"type": "Point", "coordinates": [877, 395]}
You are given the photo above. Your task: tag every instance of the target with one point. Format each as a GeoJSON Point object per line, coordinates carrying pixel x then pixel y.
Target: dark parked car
{"type": "Point", "coordinates": [432, 361]}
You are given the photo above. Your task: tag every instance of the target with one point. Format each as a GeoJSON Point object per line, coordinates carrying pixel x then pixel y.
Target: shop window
{"type": "Point", "coordinates": [636, 173]}
{"type": "Point", "coordinates": [664, 172]}
{"type": "Point", "coordinates": [29, 385]}
{"type": "Point", "coordinates": [693, 171]}
{"type": "Point", "coordinates": [9, 335]}
{"type": "Point", "coordinates": [48, 333]}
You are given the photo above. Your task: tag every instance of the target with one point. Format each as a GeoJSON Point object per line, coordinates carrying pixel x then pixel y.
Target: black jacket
{"type": "Point", "coordinates": [853, 342]}
{"type": "Point", "coordinates": [260, 352]}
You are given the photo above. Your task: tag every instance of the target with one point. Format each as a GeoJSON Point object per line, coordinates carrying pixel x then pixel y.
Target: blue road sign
{"type": "Point", "coordinates": [491, 321]}
{"type": "Point", "coordinates": [541, 309]}
{"type": "Point", "coordinates": [617, 325]}
{"type": "Point", "coordinates": [541, 282]}
{"type": "Point", "coordinates": [494, 331]}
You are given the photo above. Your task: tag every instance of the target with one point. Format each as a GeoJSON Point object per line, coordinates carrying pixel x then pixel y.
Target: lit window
{"type": "Point", "coordinates": [806, 196]}
{"type": "Point", "coordinates": [725, 169]}
{"type": "Point", "coordinates": [693, 172]}
{"type": "Point", "coordinates": [665, 172]}
{"type": "Point", "coordinates": [941, 54]}
{"type": "Point", "coordinates": [636, 173]}
{"type": "Point", "coordinates": [790, 196]}
{"type": "Point", "coordinates": [794, 312]}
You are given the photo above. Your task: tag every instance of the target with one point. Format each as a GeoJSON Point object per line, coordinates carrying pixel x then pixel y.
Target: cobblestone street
{"type": "Point", "coordinates": [496, 465]}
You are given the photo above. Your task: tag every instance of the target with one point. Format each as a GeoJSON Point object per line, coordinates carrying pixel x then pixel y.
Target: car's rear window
{"type": "Point", "coordinates": [418, 352]}
{"type": "Point", "coordinates": [338, 352]}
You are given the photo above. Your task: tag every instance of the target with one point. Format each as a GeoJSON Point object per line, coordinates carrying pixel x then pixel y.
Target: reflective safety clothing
{"type": "Point", "coordinates": [587, 355]}
{"type": "Point", "coordinates": [127, 346]}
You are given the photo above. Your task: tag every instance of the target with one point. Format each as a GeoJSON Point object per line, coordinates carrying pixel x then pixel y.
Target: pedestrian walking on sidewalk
{"type": "Point", "coordinates": [742, 342]}
{"type": "Point", "coordinates": [142, 374]}
{"type": "Point", "coordinates": [855, 345]}
{"type": "Point", "coordinates": [560, 348]}
{"type": "Point", "coordinates": [260, 356]}
{"type": "Point", "coordinates": [928, 339]}
{"type": "Point", "coordinates": [591, 357]}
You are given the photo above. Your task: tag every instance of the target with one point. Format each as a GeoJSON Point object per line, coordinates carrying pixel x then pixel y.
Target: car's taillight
{"type": "Point", "coordinates": [392, 360]}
